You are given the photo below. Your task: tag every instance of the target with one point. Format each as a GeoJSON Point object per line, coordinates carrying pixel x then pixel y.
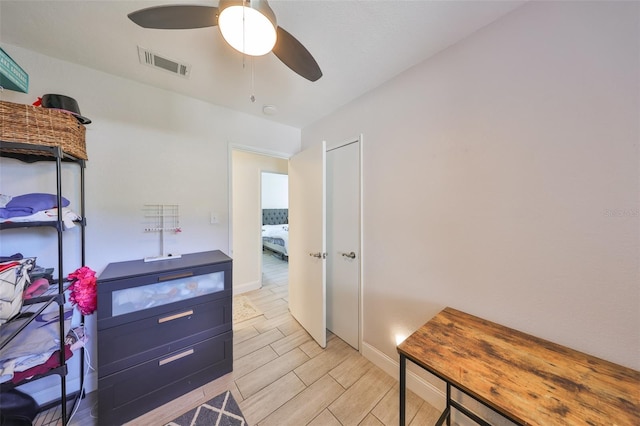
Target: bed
{"type": "Point", "coordinates": [275, 232]}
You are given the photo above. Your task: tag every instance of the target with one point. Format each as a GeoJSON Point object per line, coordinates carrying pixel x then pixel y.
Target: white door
{"type": "Point", "coordinates": [343, 242]}
{"type": "Point", "coordinates": [307, 242]}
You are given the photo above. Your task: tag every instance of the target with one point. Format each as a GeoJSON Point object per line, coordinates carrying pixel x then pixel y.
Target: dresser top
{"type": "Point", "coordinates": [132, 268]}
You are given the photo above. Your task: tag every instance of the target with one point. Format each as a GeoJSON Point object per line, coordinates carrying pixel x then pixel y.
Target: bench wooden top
{"type": "Point", "coordinates": [529, 380]}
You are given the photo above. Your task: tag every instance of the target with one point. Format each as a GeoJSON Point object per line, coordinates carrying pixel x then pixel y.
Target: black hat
{"type": "Point", "coordinates": [66, 104]}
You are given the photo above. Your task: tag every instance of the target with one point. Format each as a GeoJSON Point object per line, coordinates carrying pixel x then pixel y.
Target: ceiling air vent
{"type": "Point", "coordinates": [152, 59]}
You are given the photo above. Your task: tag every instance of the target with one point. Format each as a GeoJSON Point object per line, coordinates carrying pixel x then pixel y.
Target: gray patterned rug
{"type": "Point", "coordinates": [222, 410]}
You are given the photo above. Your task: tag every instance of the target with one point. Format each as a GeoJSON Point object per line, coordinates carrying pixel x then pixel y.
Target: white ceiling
{"type": "Point", "coordinates": [359, 44]}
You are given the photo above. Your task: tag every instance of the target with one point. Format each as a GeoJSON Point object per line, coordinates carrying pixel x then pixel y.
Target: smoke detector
{"type": "Point", "coordinates": [152, 59]}
{"type": "Point", "coordinates": [269, 110]}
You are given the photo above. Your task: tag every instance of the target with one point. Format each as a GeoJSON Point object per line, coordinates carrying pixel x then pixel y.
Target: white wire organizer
{"type": "Point", "coordinates": [162, 218]}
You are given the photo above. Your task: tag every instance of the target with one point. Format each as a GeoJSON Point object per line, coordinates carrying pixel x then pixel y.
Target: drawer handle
{"type": "Point", "coordinates": [176, 276]}
{"type": "Point", "coordinates": [176, 316]}
{"type": "Point", "coordinates": [175, 357]}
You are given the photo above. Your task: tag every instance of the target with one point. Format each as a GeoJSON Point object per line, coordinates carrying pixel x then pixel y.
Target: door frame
{"type": "Point", "coordinates": [231, 147]}
{"type": "Point", "coordinates": [276, 154]}
{"type": "Point", "coordinates": [331, 147]}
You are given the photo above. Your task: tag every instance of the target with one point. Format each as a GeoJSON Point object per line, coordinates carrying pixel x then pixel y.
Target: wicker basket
{"type": "Point", "coordinates": [42, 126]}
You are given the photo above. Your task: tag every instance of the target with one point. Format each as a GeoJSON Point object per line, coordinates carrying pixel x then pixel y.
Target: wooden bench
{"type": "Point", "coordinates": [528, 380]}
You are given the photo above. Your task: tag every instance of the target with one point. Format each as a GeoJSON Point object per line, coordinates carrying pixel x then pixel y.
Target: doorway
{"type": "Point", "coordinates": [308, 261]}
{"type": "Point", "coordinates": [246, 214]}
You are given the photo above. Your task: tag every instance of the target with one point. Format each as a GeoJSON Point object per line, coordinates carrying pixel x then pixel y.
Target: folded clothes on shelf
{"type": "Point", "coordinates": [34, 345]}
{"type": "Point", "coordinates": [28, 204]}
{"type": "Point", "coordinates": [75, 339]}
{"type": "Point", "coordinates": [14, 277]}
{"type": "Point", "coordinates": [37, 288]}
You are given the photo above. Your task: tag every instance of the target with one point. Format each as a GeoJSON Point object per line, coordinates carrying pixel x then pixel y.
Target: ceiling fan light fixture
{"type": "Point", "coordinates": [248, 26]}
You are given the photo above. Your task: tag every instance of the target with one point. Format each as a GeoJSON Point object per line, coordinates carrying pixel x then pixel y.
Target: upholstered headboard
{"type": "Point", "coordinates": [275, 216]}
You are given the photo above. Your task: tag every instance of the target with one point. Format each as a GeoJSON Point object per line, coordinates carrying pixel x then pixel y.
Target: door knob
{"type": "Point", "coordinates": [318, 255]}
{"type": "Point", "coordinates": [351, 255]}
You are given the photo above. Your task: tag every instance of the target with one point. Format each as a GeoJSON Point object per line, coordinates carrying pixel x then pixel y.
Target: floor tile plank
{"type": "Point", "coordinates": [305, 406]}
{"type": "Point", "coordinates": [250, 362]}
{"type": "Point", "coordinates": [426, 415]}
{"type": "Point", "coordinates": [335, 352]}
{"type": "Point", "coordinates": [357, 401]}
{"type": "Point", "coordinates": [242, 334]}
{"type": "Point", "coordinates": [290, 342]}
{"type": "Point", "coordinates": [371, 420]}
{"type": "Point", "coordinates": [388, 411]}
{"type": "Point", "coordinates": [270, 372]}
{"type": "Point", "coordinates": [324, 419]}
{"type": "Point", "coordinates": [255, 343]}
{"type": "Point", "coordinates": [351, 369]}
{"type": "Point", "coordinates": [269, 399]}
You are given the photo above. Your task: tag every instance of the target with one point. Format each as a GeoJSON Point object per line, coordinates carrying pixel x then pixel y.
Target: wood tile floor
{"type": "Point", "coordinates": [282, 377]}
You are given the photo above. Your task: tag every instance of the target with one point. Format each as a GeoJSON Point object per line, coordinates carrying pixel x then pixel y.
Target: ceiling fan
{"type": "Point", "coordinates": [249, 26]}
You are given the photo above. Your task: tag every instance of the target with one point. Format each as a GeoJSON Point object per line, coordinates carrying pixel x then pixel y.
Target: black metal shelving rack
{"type": "Point", "coordinates": [30, 153]}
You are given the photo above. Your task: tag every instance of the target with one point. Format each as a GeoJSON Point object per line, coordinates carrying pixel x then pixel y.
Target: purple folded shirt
{"type": "Point", "coordinates": [28, 204]}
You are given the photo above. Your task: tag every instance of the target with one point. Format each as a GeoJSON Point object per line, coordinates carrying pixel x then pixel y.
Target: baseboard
{"type": "Point", "coordinates": [245, 287]}
{"type": "Point", "coordinates": [421, 387]}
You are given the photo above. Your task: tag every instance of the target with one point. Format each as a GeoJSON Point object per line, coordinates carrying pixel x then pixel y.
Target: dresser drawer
{"type": "Point", "coordinates": [126, 345]}
{"type": "Point", "coordinates": [126, 299]}
{"type": "Point", "coordinates": [134, 391]}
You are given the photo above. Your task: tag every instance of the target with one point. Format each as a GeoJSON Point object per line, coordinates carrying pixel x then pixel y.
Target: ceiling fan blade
{"type": "Point", "coordinates": [176, 17]}
{"type": "Point", "coordinates": [294, 55]}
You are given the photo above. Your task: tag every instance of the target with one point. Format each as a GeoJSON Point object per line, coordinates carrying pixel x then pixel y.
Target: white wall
{"type": "Point", "coordinates": [275, 190]}
{"type": "Point", "coordinates": [247, 168]}
{"type": "Point", "coordinates": [501, 177]}
{"type": "Point", "coordinates": [145, 146]}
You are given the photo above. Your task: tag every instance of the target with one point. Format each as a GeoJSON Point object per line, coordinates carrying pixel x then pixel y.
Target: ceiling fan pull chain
{"type": "Point", "coordinates": [253, 96]}
{"type": "Point", "coordinates": [244, 55]}
{"type": "Point", "coordinates": [244, 30]}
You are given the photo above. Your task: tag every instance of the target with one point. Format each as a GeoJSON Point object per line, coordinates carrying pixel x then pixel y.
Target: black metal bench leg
{"type": "Point", "coordinates": [403, 388]}
{"type": "Point", "coordinates": [449, 404]}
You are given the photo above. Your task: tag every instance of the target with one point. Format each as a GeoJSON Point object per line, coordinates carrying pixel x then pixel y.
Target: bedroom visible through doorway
{"type": "Point", "coordinates": [246, 191]}
{"type": "Point", "coordinates": [275, 226]}
{"type": "Point", "coordinates": [275, 214]}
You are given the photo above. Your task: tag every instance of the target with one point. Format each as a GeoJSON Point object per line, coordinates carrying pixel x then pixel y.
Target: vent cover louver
{"type": "Point", "coordinates": [147, 57]}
